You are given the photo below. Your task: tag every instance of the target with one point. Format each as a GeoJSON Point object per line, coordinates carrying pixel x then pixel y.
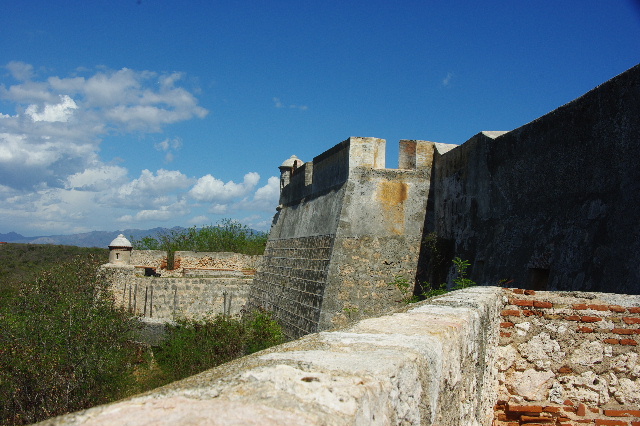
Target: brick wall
{"type": "Point", "coordinates": [568, 358]}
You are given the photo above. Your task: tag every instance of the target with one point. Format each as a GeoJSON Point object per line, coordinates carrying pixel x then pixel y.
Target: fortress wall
{"type": "Point", "coordinates": [553, 204]}
{"type": "Point", "coordinates": [569, 358]}
{"type": "Point", "coordinates": [168, 298]}
{"type": "Point", "coordinates": [431, 364]}
{"type": "Point", "coordinates": [378, 239]}
{"type": "Point", "coordinates": [332, 253]}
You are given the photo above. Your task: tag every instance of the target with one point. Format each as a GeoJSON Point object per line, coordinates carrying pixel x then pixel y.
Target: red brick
{"type": "Point", "coordinates": [617, 308]}
{"type": "Point", "coordinates": [565, 370]}
{"type": "Point", "coordinates": [631, 320]}
{"type": "Point", "coordinates": [612, 341]}
{"type": "Point", "coordinates": [505, 334]}
{"type": "Point", "coordinates": [625, 331]}
{"type": "Point", "coordinates": [521, 302]}
{"type": "Point", "coordinates": [525, 408]}
{"type": "Point", "coordinates": [541, 304]}
{"type": "Point", "coordinates": [635, 423]}
{"type": "Point", "coordinates": [529, 292]}
{"type": "Point", "coordinates": [585, 329]}
{"type": "Point", "coordinates": [628, 342]}
{"type": "Point", "coordinates": [599, 307]}
{"type": "Point", "coordinates": [622, 413]}
{"type": "Point", "coordinates": [528, 313]}
{"type": "Point", "coordinates": [605, 422]}
{"type": "Point", "coordinates": [568, 402]}
{"type": "Point", "coordinates": [572, 317]}
{"type": "Point", "coordinates": [587, 318]}
{"type": "Point", "coordinates": [594, 410]}
{"type": "Point", "coordinates": [583, 421]}
{"type": "Point", "coordinates": [582, 410]}
{"type": "Point", "coordinates": [530, 421]}
{"type": "Point", "coordinates": [570, 409]}
{"type": "Point", "coordinates": [634, 310]}
{"type": "Point", "coordinates": [510, 312]}
{"type": "Point", "coordinates": [551, 409]}
{"type": "Point", "coordinates": [518, 291]}
{"type": "Point", "coordinates": [506, 324]}
{"type": "Point", "coordinates": [579, 306]}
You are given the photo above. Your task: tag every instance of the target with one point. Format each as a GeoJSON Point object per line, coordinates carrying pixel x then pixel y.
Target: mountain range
{"type": "Point", "coordinates": [86, 239]}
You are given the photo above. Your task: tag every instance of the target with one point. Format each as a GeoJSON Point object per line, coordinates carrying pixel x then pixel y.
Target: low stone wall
{"type": "Point", "coordinates": [569, 358]}
{"type": "Point", "coordinates": [188, 260]}
{"type": "Point", "coordinates": [429, 365]}
{"type": "Point", "coordinates": [167, 298]}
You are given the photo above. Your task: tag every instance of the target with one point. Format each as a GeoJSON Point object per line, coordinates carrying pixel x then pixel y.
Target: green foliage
{"type": "Point", "coordinates": [63, 345]}
{"type": "Point", "coordinates": [193, 346]}
{"type": "Point", "coordinates": [227, 235]}
{"type": "Point", "coordinates": [461, 281]}
{"type": "Point", "coordinates": [405, 287]}
{"type": "Point", "coordinates": [24, 262]}
{"type": "Point", "coordinates": [430, 290]}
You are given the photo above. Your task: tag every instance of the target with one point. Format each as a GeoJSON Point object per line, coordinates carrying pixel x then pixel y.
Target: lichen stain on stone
{"type": "Point", "coordinates": [392, 195]}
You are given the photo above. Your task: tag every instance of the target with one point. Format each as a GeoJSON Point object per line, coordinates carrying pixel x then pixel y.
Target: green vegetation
{"type": "Point", "coordinates": [24, 262]}
{"type": "Point", "coordinates": [428, 290]}
{"type": "Point", "coordinates": [193, 346]}
{"type": "Point", "coordinates": [228, 235]}
{"type": "Point", "coordinates": [63, 346]}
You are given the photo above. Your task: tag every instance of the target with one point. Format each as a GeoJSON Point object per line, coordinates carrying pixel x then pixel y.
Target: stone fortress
{"type": "Point", "coordinates": [547, 215]}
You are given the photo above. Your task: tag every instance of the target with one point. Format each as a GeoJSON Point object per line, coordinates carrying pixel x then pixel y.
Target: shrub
{"type": "Point", "coordinates": [228, 235]}
{"type": "Point", "coordinates": [63, 345]}
{"type": "Point", "coordinates": [193, 346]}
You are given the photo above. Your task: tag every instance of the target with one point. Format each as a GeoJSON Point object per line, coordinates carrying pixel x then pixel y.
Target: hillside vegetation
{"type": "Point", "coordinates": [24, 262]}
{"type": "Point", "coordinates": [65, 346]}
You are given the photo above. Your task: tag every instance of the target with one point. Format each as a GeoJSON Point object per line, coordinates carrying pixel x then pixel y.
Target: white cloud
{"type": "Point", "coordinates": [168, 146]}
{"type": "Point", "coordinates": [279, 104]}
{"type": "Point", "coordinates": [19, 70]}
{"type": "Point", "coordinates": [199, 220]}
{"type": "Point", "coordinates": [265, 198]}
{"type": "Point", "coordinates": [144, 190]}
{"type": "Point", "coordinates": [447, 80]}
{"type": "Point", "coordinates": [210, 189]}
{"type": "Point", "coordinates": [162, 214]}
{"type": "Point", "coordinates": [52, 113]}
{"type": "Point", "coordinates": [58, 123]}
{"type": "Point", "coordinates": [98, 178]}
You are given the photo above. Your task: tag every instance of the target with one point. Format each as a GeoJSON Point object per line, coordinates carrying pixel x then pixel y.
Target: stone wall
{"type": "Point", "coordinates": [553, 204]}
{"type": "Point", "coordinates": [430, 364]}
{"type": "Point", "coordinates": [192, 294]}
{"type": "Point", "coordinates": [569, 358]}
{"type": "Point", "coordinates": [346, 228]}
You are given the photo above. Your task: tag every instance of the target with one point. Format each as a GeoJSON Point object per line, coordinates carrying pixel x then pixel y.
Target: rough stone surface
{"type": "Point", "coordinates": [416, 367]}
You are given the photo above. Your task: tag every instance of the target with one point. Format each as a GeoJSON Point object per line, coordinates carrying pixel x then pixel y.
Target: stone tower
{"type": "Point", "coordinates": [120, 251]}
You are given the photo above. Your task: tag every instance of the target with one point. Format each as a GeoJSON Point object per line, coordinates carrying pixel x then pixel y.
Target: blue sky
{"type": "Point", "coordinates": [134, 114]}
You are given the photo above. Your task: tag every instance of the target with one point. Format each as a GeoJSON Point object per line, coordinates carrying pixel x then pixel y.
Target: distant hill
{"type": "Point", "coordinates": [88, 239]}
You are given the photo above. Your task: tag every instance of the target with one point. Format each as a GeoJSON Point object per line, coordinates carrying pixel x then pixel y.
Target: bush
{"type": "Point", "coordinates": [227, 235]}
{"type": "Point", "coordinates": [193, 346]}
{"type": "Point", "coordinates": [63, 345]}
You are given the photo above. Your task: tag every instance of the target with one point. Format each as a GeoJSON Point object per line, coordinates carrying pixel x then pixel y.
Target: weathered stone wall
{"type": "Point", "coordinates": [569, 358]}
{"type": "Point", "coordinates": [168, 298]}
{"type": "Point", "coordinates": [157, 259]}
{"type": "Point", "coordinates": [368, 223]}
{"type": "Point", "coordinates": [553, 204]}
{"type": "Point", "coordinates": [430, 364]}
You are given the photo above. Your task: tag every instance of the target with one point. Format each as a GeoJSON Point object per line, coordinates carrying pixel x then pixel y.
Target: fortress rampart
{"type": "Point", "coordinates": [347, 226]}
{"type": "Point", "coordinates": [481, 356]}
{"type": "Point", "coordinates": [553, 205]}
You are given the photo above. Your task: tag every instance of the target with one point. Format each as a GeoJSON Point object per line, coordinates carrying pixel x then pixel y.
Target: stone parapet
{"type": "Point", "coordinates": [431, 364]}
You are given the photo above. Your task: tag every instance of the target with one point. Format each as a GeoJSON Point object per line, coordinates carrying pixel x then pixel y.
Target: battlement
{"type": "Point", "coordinates": [333, 167]}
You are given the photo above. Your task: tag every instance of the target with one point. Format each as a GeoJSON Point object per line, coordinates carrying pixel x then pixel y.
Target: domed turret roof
{"type": "Point", "coordinates": [120, 241]}
{"type": "Point", "coordinates": [291, 161]}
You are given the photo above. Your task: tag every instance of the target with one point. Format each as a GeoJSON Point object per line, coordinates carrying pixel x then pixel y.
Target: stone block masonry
{"type": "Point", "coordinates": [351, 226]}
{"type": "Point", "coordinates": [568, 358]}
